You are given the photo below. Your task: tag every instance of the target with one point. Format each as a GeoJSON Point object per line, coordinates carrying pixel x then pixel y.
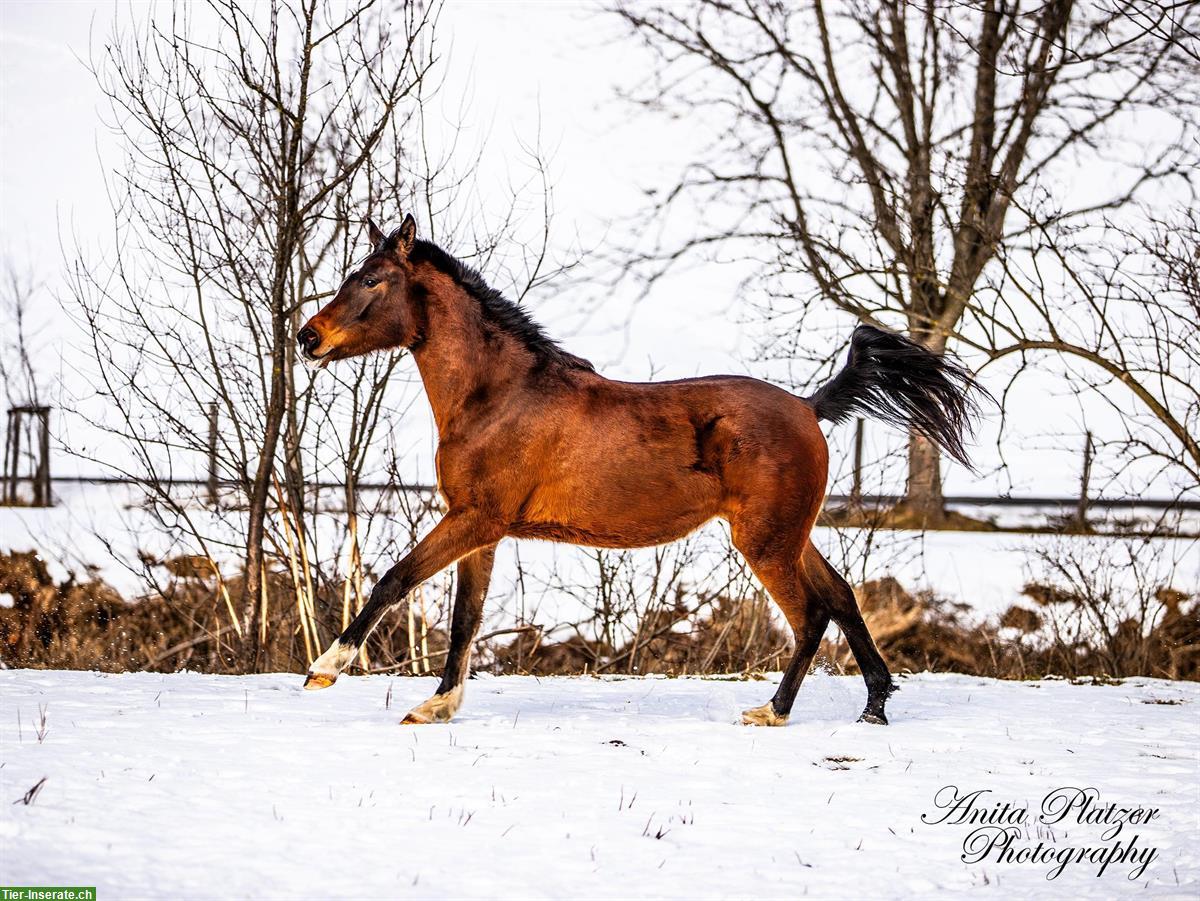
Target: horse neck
{"type": "Point", "coordinates": [460, 356]}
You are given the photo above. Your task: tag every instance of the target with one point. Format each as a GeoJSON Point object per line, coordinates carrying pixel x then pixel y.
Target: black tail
{"type": "Point", "coordinates": [902, 383]}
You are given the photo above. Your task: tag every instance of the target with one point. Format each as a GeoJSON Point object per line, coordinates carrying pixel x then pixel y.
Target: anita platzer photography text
{"type": "Point", "coordinates": [599, 449]}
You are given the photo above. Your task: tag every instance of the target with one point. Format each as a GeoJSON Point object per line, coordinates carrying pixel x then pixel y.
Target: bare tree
{"type": "Point", "coordinates": [257, 139]}
{"type": "Point", "coordinates": [27, 431]}
{"type": "Point", "coordinates": [23, 385]}
{"type": "Point", "coordinates": [251, 131]}
{"type": "Point", "coordinates": [880, 156]}
{"type": "Point", "coordinates": [1122, 321]}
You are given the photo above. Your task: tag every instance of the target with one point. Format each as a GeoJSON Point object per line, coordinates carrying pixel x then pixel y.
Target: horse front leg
{"type": "Point", "coordinates": [458, 534]}
{"type": "Point", "coordinates": [474, 574]}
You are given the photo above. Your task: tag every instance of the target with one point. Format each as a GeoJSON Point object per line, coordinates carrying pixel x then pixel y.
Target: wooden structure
{"type": "Point", "coordinates": [27, 437]}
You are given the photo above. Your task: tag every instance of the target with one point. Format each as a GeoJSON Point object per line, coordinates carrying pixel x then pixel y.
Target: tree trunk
{"type": "Point", "coordinates": [923, 505]}
{"type": "Point", "coordinates": [923, 500]}
{"type": "Point", "coordinates": [255, 646]}
{"type": "Point", "coordinates": [257, 638]}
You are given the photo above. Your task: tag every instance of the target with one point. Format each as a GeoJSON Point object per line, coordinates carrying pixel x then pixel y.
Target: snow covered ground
{"type": "Point", "coordinates": [188, 786]}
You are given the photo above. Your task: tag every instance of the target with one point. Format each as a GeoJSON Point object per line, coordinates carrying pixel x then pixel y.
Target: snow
{"type": "Point", "coordinates": [189, 786]}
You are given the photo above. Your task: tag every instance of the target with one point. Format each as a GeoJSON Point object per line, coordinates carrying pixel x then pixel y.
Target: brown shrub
{"type": "Point", "coordinates": [917, 632]}
{"type": "Point", "coordinates": [76, 624]}
{"type": "Point", "coordinates": [84, 624]}
{"type": "Point", "coordinates": [735, 635]}
{"type": "Point", "coordinates": [732, 637]}
{"type": "Point", "coordinates": [1020, 618]}
{"type": "Point", "coordinates": [529, 654]}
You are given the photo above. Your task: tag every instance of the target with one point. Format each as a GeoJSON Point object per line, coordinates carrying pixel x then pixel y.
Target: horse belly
{"type": "Point", "coordinates": [626, 509]}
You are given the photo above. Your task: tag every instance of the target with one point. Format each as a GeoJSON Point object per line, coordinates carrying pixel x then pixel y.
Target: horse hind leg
{"type": "Point", "coordinates": [811, 592]}
{"type": "Point", "coordinates": [808, 638]}
{"type": "Point", "coordinates": [843, 608]}
{"type": "Point", "coordinates": [807, 614]}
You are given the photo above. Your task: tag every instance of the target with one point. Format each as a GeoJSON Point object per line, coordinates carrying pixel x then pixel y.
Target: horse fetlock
{"type": "Point", "coordinates": [766, 715]}
{"type": "Point", "coordinates": [877, 697]}
{"type": "Point", "coordinates": [326, 668]}
{"type": "Point", "coordinates": [438, 709]}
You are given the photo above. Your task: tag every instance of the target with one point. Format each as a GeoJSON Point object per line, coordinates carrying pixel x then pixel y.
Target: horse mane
{"type": "Point", "coordinates": [497, 309]}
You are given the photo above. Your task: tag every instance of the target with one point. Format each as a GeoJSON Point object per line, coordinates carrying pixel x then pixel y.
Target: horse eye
{"type": "Point", "coordinates": [369, 282]}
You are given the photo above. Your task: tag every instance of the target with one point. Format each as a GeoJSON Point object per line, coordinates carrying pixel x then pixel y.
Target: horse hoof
{"type": "Point", "coordinates": [875, 719]}
{"type": "Point", "coordinates": [317, 681]}
{"type": "Point", "coordinates": [763, 716]}
{"type": "Point", "coordinates": [438, 709]}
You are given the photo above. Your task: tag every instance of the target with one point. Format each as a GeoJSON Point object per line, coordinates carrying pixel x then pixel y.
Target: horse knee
{"type": "Point", "coordinates": [391, 589]}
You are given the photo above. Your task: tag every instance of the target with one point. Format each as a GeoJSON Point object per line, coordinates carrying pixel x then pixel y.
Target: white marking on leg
{"type": "Point", "coordinates": [763, 716]}
{"type": "Point", "coordinates": [438, 709]}
{"type": "Point", "coordinates": [326, 668]}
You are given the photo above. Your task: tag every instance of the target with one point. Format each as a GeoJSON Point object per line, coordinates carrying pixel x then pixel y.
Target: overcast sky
{"type": "Point", "coordinates": [525, 68]}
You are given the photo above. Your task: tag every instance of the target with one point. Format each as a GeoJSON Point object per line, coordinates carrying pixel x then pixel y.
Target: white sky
{"type": "Point", "coordinates": [552, 65]}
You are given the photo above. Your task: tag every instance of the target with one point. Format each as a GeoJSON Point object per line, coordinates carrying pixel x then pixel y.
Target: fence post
{"type": "Point", "coordinates": [41, 482]}
{"type": "Point", "coordinates": [1086, 477]}
{"type": "Point", "coordinates": [14, 456]}
{"type": "Point", "coordinates": [7, 448]}
{"type": "Point", "coordinates": [212, 453]}
{"type": "Point", "coordinates": [856, 485]}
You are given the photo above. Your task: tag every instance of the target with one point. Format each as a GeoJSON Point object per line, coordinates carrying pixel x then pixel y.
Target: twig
{"type": "Point", "coordinates": [190, 643]}
{"type": "Point", "coordinates": [435, 654]}
{"type": "Point", "coordinates": [30, 796]}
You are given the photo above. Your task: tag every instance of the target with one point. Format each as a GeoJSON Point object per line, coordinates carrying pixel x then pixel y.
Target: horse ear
{"type": "Point", "coordinates": [374, 234]}
{"type": "Point", "coordinates": [406, 236]}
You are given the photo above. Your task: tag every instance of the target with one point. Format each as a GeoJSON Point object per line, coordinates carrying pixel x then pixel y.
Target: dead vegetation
{"type": "Point", "coordinates": [84, 624]}
{"type": "Point", "coordinates": [902, 516]}
{"type": "Point", "coordinates": [1071, 636]}
{"type": "Point", "coordinates": [732, 636]}
{"type": "Point", "coordinates": [76, 624]}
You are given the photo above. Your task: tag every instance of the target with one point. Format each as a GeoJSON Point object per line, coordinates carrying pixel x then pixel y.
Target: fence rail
{"type": "Point", "coordinates": [1112, 503]}
{"type": "Point", "coordinates": [43, 494]}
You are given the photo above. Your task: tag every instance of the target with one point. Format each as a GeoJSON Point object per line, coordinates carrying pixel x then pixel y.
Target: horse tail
{"type": "Point", "coordinates": [902, 383]}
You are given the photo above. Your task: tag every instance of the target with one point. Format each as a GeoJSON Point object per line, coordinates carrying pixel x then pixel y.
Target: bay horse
{"type": "Point", "coordinates": [534, 443]}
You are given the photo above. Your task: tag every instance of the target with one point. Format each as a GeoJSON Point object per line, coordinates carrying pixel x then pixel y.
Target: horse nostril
{"type": "Point", "coordinates": [308, 339]}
